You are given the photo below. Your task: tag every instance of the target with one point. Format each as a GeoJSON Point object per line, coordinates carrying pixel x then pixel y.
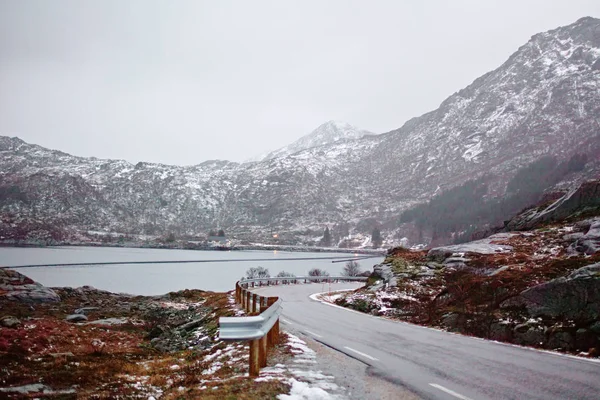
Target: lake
{"type": "Point", "coordinates": [153, 279]}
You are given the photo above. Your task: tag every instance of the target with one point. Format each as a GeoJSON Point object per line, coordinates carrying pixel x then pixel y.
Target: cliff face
{"type": "Point", "coordinates": [544, 100]}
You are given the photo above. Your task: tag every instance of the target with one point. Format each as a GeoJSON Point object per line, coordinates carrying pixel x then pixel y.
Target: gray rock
{"type": "Point", "coordinates": [483, 246]}
{"type": "Point", "coordinates": [532, 336]}
{"type": "Point", "coordinates": [454, 322]}
{"type": "Point", "coordinates": [85, 310]}
{"type": "Point", "coordinates": [384, 272]}
{"type": "Point", "coordinates": [573, 236]}
{"type": "Point", "coordinates": [456, 260]}
{"type": "Point", "coordinates": [33, 293]}
{"type": "Point", "coordinates": [191, 325]}
{"type": "Point", "coordinates": [10, 322]}
{"type": "Point", "coordinates": [109, 321]}
{"type": "Point", "coordinates": [76, 318]}
{"type": "Point", "coordinates": [589, 271]}
{"type": "Point", "coordinates": [501, 331]}
{"type": "Point", "coordinates": [590, 242]}
{"type": "Point", "coordinates": [576, 296]}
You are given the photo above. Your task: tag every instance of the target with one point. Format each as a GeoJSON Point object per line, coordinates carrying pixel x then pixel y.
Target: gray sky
{"type": "Point", "coordinates": [180, 82]}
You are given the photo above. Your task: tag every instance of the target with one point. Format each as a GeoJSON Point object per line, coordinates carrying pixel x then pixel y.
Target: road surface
{"type": "Point", "coordinates": [436, 364]}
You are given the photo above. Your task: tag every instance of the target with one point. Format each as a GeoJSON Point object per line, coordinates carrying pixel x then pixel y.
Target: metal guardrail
{"type": "Point", "coordinates": [300, 279]}
{"type": "Point", "coordinates": [262, 328]}
{"type": "Point", "coordinates": [250, 328]}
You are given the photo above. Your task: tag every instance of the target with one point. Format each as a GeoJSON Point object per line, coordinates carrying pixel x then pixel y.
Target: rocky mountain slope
{"type": "Point", "coordinates": [544, 100]}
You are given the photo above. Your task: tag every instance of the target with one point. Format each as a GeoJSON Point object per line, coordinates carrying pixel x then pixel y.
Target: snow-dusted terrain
{"type": "Point", "coordinates": [545, 99]}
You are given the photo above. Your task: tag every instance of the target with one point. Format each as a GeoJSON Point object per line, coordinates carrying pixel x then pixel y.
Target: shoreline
{"type": "Point", "coordinates": [256, 247]}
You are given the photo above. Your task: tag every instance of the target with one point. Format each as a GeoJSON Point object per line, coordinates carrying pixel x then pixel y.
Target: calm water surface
{"type": "Point", "coordinates": [151, 279]}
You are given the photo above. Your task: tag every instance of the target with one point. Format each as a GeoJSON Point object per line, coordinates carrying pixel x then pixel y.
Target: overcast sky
{"type": "Point", "coordinates": [181, 82]}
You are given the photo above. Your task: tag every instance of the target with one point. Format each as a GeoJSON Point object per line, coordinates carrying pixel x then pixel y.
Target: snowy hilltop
{"type": "Point", "coordinates": [327, 133]}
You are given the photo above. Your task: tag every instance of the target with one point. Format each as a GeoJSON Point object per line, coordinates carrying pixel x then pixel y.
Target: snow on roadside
{"type": "Point", "coordinates": [305, 383]}
{"type": "Point", "coordinates": [303, 391]}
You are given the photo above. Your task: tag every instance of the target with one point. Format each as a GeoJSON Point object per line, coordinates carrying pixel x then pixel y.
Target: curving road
{"type": "Point", "coordinates": [436, 364]}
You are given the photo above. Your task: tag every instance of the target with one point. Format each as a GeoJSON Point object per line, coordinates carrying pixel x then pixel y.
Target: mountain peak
{"type": "Point", "coordinates": [326, 133]}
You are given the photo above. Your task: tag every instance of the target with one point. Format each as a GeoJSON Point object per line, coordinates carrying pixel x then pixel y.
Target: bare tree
{"type": "Point", "coordinates": [318, 272]}
{"type": "Point", "coordinates": [284, 274]}
{"type": "Point", "coordinates": [351, 269]}
{"type": "Point", "coordinates": [257, 272]}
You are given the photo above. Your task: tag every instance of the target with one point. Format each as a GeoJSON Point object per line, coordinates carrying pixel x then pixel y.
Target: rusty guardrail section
{"type": "Point", "coordinates": [261, 328]}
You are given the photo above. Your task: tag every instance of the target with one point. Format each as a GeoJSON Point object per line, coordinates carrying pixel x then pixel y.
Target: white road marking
{"type": "Point", "coordinates": [312, 333]}
{"type": "Point", "coordinates": [361, 353]}
{"type": "Point", "coordinates": [450, 392]}
{"type": "Point", "coordinates": [285, 321]}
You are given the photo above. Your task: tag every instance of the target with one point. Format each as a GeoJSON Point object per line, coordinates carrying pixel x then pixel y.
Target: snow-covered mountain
{"type": "Point", "coordinates": [544, 100]}
{"type": "Point", "coordinates": [327, 133]}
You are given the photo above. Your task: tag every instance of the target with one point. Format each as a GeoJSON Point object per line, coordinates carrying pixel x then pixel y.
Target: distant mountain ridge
{"type": "Point", "coordinates": [544, 100]}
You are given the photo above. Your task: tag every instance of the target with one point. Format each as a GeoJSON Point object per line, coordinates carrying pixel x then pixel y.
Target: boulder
{"type": "Point", "coordinates": [589, 243]}
{"type": "Point", "coordinates": [585, 339]}
{"type": "Point", "coordinates": [576, 296]}
{"type": "Point", "coordinates": [10, 322]}
{"type": "Point", "coordinates": [85, 310]}
{"type": "Point", "coordinates": [16, 286]}
{"type": "Point", "coordinates": [501, 331]}
{"type": "Point", "coordinates": [560, 339]}
{"type": "Point", "coordinates": [385, 273]}
{"type": "Point", "coordinates": [528, 336]}
{"type": "Point", "coordinates": [483, 246]}
{"type": "Point", "coordinates": [76, 318]}
{"type": "Point", "coordinates": [454, 322]}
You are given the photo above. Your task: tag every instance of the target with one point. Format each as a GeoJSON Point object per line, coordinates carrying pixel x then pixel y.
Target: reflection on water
{"type": "Point", "coordinates": [150, 279]}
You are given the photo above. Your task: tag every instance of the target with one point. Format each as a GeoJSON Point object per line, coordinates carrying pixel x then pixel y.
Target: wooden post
{"type": "Point", "coordinates": [254, 357]}
{"type": "Point", "coordinates": [248, 294]}
{"type": "Point", "coordinates": [271, 335]}
{"type": "Point", "coordinates": [263, 351]}
{"type": "Point", "coordinates": [275, 331]}
{"type": "Point", "coordinates": [255, 307]}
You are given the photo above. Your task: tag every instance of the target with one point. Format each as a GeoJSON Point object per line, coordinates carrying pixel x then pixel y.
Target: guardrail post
{"type": "Point", "coordinates": [248, 294]}
{"type": "Point", "coordinates": [254, 357]}
{"type": "Point", "coordinates": [255, 307]}
{"type": "Point", "coordinates": [263, 351]}
{"type": "Point", "coordinates": [273, 335]}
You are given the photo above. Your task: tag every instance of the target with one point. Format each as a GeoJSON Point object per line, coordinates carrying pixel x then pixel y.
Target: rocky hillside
{"type": "Point", "coordinates": [544, 100]}
{"type": "Point", "coordinates": [536, 287]}
{"type": "Point", "coordinates": [73, 343]}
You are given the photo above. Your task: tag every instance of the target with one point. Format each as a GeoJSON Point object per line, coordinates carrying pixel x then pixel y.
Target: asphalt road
{"type": "Point", "coordinates": [436, 364]}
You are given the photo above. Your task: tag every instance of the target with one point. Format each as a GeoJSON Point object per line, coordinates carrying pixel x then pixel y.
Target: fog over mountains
{"type": "Point", "coordinates": [544, 100]}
